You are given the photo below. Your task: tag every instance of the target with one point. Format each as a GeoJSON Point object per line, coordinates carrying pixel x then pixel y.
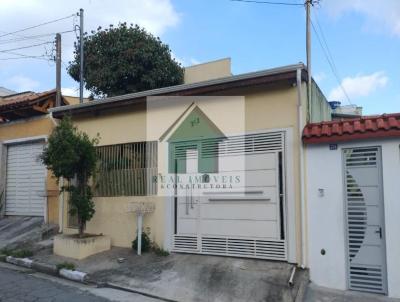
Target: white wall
{"type": "Point", "coordinates": [326, 224]}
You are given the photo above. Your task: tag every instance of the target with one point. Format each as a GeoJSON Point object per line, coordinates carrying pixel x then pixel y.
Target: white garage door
{"type": "Point", "coordinates": [25, 184]}
{"type": "Point", "coordinates": [246, 216]}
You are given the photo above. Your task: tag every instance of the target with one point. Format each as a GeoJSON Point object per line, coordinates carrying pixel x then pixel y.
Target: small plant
{"type": "Point", "coordinates": [5, 251]}
{"type": "Point", "coordinates": [159, 251]}
{"type": "Point", "coordinates": [146, 243]}
{"type": "Point", "coordinates": [17, 253]}
{"type": "Point", "coordinates": [23, 253]}
{"type": "Point", "coordinates": [67, 265]}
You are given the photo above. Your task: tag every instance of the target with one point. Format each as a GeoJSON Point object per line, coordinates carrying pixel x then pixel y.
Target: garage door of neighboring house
{"type": "Point", "coordinates": [365, 220]}
{"type": "Point", "coordinates": [244, 218]}
{"type": "Point", "coordinates": [26, 180]}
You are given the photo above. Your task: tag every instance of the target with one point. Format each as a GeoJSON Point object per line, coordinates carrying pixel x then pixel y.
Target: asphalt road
{"type": "Point", "coordinates": [24, 285]}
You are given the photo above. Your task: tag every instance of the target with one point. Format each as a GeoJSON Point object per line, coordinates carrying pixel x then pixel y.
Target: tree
{"type": "Point", "coordinates": [125, 59]}
{"type": "Point", "coordinates": [71, 154]}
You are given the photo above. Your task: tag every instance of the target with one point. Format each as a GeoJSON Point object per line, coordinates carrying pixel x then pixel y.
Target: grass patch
{"type": "Point", "coordinates": [67, 265]}
{"type": "Point", "coordinates": [17, 253]}
{"type": "Point", "coordinates": [22, 253]}
{"type": "Point", "coordinates": [5, 251]}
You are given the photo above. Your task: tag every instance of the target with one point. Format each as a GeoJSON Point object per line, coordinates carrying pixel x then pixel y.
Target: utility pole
{"type": "Point", "coordinates": [58, 70]}
{"type": "Point", "coordinates": [81, 56]}
{"type": "Point", "coordinates": [308, 4]}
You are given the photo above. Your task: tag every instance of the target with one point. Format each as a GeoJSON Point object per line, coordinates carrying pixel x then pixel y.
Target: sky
{"type": "Point", "coordinates": [361, 39]}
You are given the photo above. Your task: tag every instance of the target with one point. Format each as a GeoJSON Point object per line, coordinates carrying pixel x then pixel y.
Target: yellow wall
{"type": "Point", "coordinates": [257, 110]}
{"type": "Point", "coordinates": [208, 71]}
{"type": "Point", "coordinates": [30, 128]}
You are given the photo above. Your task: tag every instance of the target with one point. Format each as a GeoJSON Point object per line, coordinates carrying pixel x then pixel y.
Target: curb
{"type": "Point", "coordinates": [131, 290]}
{"type": "Point", "coordinates": [73, 275]}
{"type": "Point", "coordinates": [46, 268]}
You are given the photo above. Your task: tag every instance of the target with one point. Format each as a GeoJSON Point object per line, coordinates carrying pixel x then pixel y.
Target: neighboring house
{"type": "Point", "coordinates": [246, 128]}
{"type": "Point", "coordinates": [29, 188]}
{"type": "Point", "coordinates": [353, 203]}
{"type": "Point", "coordinates": [5, 91]}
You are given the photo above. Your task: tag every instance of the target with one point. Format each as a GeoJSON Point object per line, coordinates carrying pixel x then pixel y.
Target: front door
{"type": "Point", "coordinates": [187, 204]}
{"type": "Point", "coordinates": [365, 220]}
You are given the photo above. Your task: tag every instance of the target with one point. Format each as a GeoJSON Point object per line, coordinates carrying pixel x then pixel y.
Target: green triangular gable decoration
{"type": "Point", "coordinates": [197, 132]}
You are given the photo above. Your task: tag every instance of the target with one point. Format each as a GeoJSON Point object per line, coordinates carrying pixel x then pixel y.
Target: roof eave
{"type": "Point", "coordinates": [313, 140]}
{"type": "Point", "coordinates": [216, 85]}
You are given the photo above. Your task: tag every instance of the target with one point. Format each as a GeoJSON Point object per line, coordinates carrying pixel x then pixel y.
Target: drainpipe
{"type": "Point", "coordinates": [301, 168]}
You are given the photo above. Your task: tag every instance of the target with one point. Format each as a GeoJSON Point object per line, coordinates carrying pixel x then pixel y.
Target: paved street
{"type": "Point", "coordinates": [24, 285]}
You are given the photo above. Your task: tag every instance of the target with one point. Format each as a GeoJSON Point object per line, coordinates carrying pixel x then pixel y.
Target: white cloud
{"type": "Point", "coordinates": [154, 15]}
{"type": "Point", "coordinates": [22, 83]}
{"type": "Point", "coordinates": [381, 15]}
{"type": "Point", "coordinates": [359, 86]}
{"type": "Point", "coordinates": [70, 91]}
{"type": "Point", "coordinates": [185, 62]}
{"type": "Point", "coordinates": [194, 61]}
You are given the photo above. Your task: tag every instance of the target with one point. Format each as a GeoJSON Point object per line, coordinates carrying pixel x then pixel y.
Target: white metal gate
{"type": "Point", "coordinates": [25, 181]}
{"type": "Point", "coordinates": [245, 218]}
{"type": "Point", "coordinates": [365, 220]}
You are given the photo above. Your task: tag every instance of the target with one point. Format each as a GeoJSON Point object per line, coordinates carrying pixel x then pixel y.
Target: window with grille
{"type": "Point", "coordinates": [126, 170]}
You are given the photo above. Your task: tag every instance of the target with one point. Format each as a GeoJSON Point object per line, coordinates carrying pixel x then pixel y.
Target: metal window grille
{"type": "Point", "coordinates": [126, 170]}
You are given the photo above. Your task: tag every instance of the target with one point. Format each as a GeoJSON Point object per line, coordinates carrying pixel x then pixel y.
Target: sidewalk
{"type": "Point", "coordinates": [185, 277]}
{"type": "Point", "coordinates": [316, 293]}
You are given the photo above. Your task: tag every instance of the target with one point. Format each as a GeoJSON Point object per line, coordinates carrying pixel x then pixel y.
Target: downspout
{"type": "Point", "coordinates": [301, 167]}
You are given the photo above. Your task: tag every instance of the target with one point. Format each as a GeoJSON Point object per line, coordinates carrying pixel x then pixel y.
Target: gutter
{"type": "Point", "coordinates": [301, 169]}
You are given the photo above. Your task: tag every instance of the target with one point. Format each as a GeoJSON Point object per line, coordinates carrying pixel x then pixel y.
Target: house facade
{"type": "Point", "coordinates": [243, 131]}
{"type": "Point", "coordinates": [353, 203]}
{"type": "Point", "coordinates": [28, 188]}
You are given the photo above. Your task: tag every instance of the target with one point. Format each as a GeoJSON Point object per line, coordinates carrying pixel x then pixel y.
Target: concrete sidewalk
{"type": "Point", "coordinates": [316, 293]}
{"type": "Point", "coordinates": [16, 231]}
{"type": "Point", "coordinates": [184, 277]}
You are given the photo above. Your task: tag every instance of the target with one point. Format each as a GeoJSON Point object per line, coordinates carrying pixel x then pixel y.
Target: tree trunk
{"type": "Point", "coordinates": [81, 226]}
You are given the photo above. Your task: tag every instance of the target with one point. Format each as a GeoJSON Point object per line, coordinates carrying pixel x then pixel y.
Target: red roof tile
{"type": "Point", "coordinates": [365, 127]}
{"type": "Point", "coordinates": [23, 98]}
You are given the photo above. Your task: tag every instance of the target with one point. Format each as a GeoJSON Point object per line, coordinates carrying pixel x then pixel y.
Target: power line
{"type": "Point", "coordinates": [25, 57]}
{"type": "Point", "coordinates": [24, 47]}
{"type": "Point", "coordinates": [35, 37]}
{"type": "Point", "coordinates": [331, 64]}
{"type": "Point", "coordinates": [35, 26]}
{"type": "Point", "coordinates": [326, 43]}
{"type": "Point", "coordinates": [270, 2]}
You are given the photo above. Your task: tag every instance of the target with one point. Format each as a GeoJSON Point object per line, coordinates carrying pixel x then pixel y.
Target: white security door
{"type": "Point", "coordinates": [239, 210]}
{"type": "Point", "coordinates": [25, 181]}
{"type": "Point", "coordinates": [365, 220]}
{"type": "Point", "coordinates": [187, 210]}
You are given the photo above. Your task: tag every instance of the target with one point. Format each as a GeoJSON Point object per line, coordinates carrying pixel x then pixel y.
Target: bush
{"type": "Point", "coordinates": [5, 251]}
{"type": "Point", "coordinates": [146, 243]}
{"type": "Point", "coordinates": [67, 265]}
{"type": "Point", "coordinates": [18, 253]}
{"type": "Point", "coordinates": [160, 251]}
{"type": "Point", "coordinates": [22, 253]}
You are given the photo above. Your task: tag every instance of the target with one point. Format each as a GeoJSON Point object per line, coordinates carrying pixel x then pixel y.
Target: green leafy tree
{"type": "Point", "coordinates": [125, 59]}
{"type": "Point", "coordinates": [71, 154]}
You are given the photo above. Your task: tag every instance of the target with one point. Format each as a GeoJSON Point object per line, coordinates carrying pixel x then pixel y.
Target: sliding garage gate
{"type": "Point", "coordinates": [239, 210]}
{"type": "Point", "coordinates": [25, 180]}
